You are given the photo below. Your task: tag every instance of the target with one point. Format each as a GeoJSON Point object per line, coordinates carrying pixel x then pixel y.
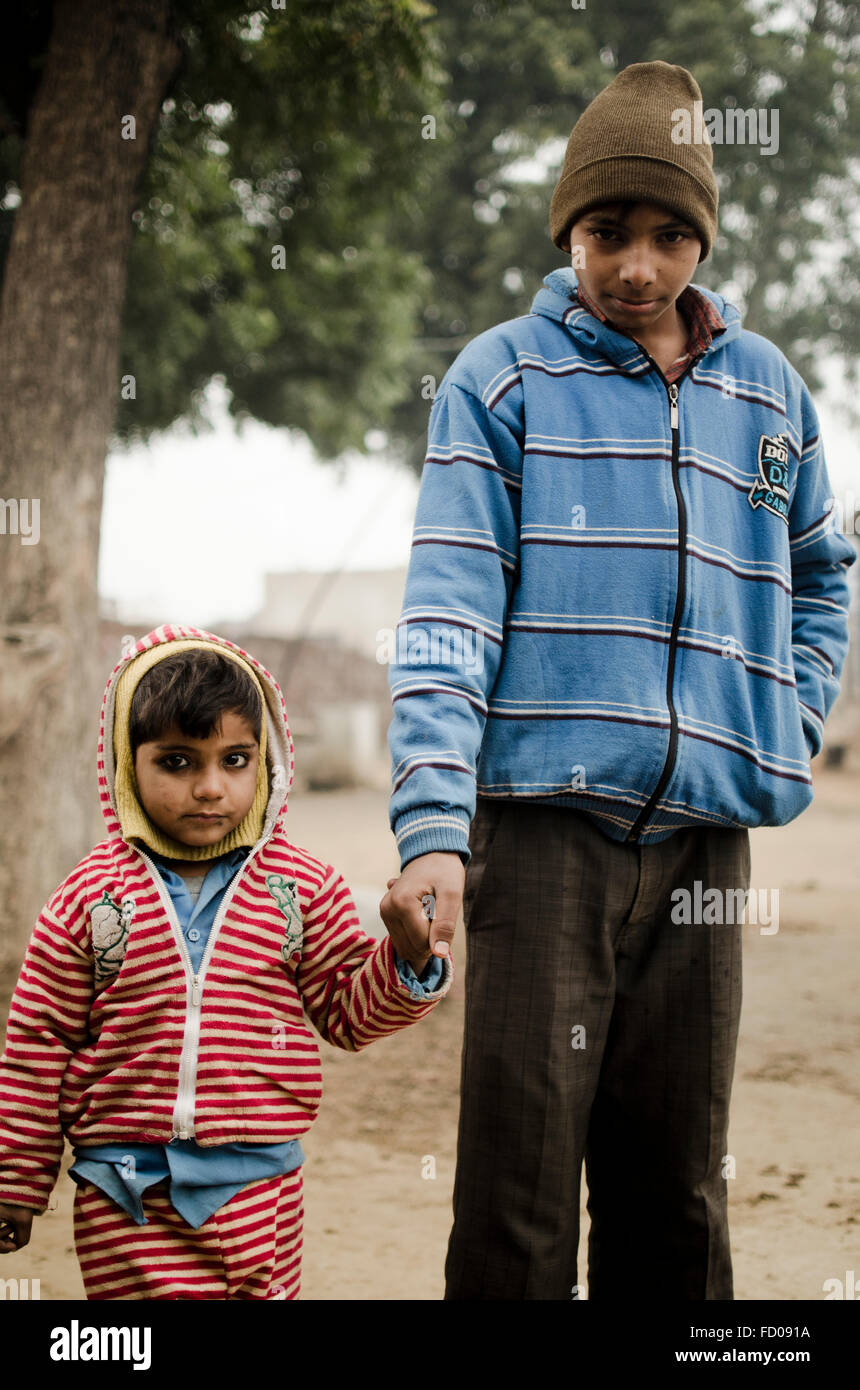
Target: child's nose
{"type": "Point", "coordinates": [208, 784]}
{"type": "Point", "coordinates": [637, 266]}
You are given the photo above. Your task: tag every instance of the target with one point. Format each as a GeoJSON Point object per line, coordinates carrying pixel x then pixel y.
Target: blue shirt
{"type": "Point", "coordinates": [203, 1179]}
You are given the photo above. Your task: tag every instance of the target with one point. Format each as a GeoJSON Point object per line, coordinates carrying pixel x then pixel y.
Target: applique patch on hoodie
{"type": "Point", "coordinates": [286, 895]}
{"type": "Point", "coordinates": [770, 489]}
{"type": "Point", "coordinates": [110, 922]}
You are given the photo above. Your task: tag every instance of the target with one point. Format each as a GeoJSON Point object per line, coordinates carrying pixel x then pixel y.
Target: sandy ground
{"type": "Point", "coordinates": [380, 1159]}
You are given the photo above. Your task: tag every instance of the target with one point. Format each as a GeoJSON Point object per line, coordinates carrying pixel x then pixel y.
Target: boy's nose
{"type": "Point", "coordinates": [637, 267]}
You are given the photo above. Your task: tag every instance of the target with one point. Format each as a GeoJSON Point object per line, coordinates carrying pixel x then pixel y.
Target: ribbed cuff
{"type": "Point", "coordinates": [399, 987]}
{"type": "Point", "coordinates": [39, 1205]}
{"type": "Point", "coordinates": [432, 828]}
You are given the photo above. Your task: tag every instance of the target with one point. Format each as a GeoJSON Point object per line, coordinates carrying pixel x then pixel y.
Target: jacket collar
{"type": "Point", "coordinates": [557, 300]}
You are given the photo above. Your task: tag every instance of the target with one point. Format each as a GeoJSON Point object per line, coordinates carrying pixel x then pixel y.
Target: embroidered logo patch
{"type": "Point", "coordinates": [110, 922]}
{"type": "Point", "coordinates": [286, 895]}
{"type": "Point", "coordinates": [770, 489]}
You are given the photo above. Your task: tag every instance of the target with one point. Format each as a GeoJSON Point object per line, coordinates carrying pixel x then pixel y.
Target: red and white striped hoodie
{"type": "Point", "coordinates": [112, 1037]}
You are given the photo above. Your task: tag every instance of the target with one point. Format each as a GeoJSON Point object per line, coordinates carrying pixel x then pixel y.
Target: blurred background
{"type": "Point", "coordinates": [239, 248]}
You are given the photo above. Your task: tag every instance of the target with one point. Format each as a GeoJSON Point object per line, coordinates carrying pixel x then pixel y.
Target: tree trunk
{"type": "Point", "coordinates": [60, 318]}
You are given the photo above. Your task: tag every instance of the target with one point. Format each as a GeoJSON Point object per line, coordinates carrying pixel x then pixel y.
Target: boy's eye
{"type": "Point", "coordinates": [601, 232]}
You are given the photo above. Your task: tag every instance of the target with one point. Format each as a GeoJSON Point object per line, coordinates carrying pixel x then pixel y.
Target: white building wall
{"type": "Point", "coordinates": [352, 606]}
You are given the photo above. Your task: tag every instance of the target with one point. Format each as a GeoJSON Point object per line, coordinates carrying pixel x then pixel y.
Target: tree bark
{"type": "Point", "coordinates": [60, 320]}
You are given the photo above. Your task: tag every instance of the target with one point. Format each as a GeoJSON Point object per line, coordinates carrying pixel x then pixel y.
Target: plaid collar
{"type": "Point", "coordinates": [703, 322]}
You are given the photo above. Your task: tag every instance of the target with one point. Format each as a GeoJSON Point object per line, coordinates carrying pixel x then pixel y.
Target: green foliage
{"type": "Point", "coordinates": [263, 252]}
{"type": "Point", "coordinates": [294, 128]}
{"type": "Point", "coordinates": [25, 40]}
{"type": "Point", "coordinates": [304, 128]}
{"type": "Point", "coordinates": [522, 73]}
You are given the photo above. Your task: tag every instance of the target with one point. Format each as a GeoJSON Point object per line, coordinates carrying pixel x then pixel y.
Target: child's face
{"type": "Point", "coordinates": [199, 789]}
{"type": "Point", "coordinates": [650, 258]}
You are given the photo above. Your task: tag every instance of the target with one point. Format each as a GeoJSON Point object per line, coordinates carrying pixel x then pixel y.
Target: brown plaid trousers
{"type": "Point", "coordinates": [598, 1030]}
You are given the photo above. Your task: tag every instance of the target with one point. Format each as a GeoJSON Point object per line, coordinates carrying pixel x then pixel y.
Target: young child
{"type": "Point", "coordinates": [625, 504]}
{"type": "Point", "coordinates": [158, 1018]}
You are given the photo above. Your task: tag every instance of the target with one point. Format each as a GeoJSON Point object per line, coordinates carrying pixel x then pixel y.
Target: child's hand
{"type": "Point", "coordinates": [15, 1223]}
{"type": "Point", "coordinates": [415, 936]}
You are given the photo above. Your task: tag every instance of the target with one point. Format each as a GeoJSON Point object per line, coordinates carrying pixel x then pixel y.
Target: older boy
{"type": "Point", "coordinates": [625, 500]}
{"type": "Point", "coordinates": [159, 1018]}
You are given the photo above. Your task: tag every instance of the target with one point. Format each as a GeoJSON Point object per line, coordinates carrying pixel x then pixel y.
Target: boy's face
{"type": "Point", "coordinates": [634, 270]}
{"type": "Point", "coordinates": [198, 789]}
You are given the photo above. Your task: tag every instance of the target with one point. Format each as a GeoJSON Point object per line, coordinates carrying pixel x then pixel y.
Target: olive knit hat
{"type": "Point", "coordinates": [622, 148]}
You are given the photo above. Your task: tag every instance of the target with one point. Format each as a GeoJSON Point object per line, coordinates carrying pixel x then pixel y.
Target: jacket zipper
{"type": "Point", "coordinates": [680, 598]}
{"type": "Point", "coordinates": [183, 1110]}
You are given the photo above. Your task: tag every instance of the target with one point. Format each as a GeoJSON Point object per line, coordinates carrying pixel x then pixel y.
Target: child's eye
{"type": "Point", "coordinates": [245, 759]}
{"type": "Point", "coordinates": [173, 762]}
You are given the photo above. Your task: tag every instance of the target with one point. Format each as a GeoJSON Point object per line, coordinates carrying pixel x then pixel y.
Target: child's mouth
{"type": "Point", "coordinates": [635, 306]}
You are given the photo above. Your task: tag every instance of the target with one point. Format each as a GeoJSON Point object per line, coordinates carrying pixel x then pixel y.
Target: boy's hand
{"type": "Point", "coordinates": [15, 1223]}
{"type": "Point", "coordinates": [414, 936]}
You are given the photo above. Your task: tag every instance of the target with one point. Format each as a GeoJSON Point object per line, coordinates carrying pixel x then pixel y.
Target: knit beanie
{"type": "Point", "coordinates": [622, 148]}
{"type": "Point", "coordinates": [134, 820]}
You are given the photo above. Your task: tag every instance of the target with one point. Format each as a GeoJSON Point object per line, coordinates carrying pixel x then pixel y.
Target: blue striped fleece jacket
{"type": "Point", "coordinates": [624, 596]}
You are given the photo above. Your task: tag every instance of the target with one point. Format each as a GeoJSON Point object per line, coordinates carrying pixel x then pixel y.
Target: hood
{"type": "Point", "coordinates": [554, 302]}
{"type": "Point", "coordinates": [279, 752]}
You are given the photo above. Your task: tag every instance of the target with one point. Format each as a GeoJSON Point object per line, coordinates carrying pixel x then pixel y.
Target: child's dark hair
{"type": "Point", "coordinates": [191, 689]}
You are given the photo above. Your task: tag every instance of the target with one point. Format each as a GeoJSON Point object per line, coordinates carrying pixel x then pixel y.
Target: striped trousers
{"type": "Point", "coordinates": [600, 1029]}
{"type": "Point", "coordinates": [250, 1248]}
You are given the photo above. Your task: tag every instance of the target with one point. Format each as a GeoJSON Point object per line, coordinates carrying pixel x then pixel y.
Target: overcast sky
{"type": "Point", "coordinates": [191, 525]}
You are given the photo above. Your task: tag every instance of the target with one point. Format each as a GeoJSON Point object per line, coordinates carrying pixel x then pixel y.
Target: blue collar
{"type": "Point", "coordinates": [557, 300]}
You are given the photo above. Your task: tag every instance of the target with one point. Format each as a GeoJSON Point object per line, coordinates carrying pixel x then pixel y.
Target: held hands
{"type": "Point", "coordinates": [15, 1223]}
{"type": "Point", "coordinates": [415, 937]}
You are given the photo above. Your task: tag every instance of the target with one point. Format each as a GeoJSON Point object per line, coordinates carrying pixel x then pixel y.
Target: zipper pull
{"type": "Point", "coordinates": [195, 991]}
{"type": "Point", "coordinates": [673, 405]}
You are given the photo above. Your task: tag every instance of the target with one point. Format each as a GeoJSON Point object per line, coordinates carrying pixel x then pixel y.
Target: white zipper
{"type": "Point", "coordinates": [673, 405]}
{"type": "Point", "coordinates": [183, 1110]}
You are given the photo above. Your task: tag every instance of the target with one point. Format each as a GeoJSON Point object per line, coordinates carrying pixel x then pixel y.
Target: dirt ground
{"type": "Point", "coordinates": [380, 1159]}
